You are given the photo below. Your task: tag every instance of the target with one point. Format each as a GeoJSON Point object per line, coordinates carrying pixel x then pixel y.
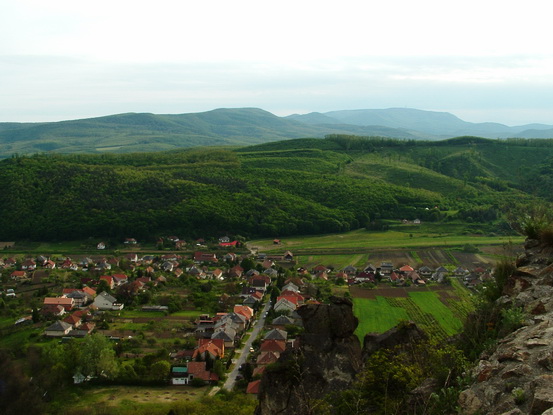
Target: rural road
{"type": "Point", "coordinates": [258, 325]}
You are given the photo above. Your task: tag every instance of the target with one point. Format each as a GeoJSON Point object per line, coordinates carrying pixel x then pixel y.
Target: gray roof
{"type": "Point", "coordinates": [283, 320]}
{"type": "Point", "coordinates": [108, 297]}
{"type": "Point", "coordinates": [59, 326]}
{"type": "Point", "coordinates": [276, 334]}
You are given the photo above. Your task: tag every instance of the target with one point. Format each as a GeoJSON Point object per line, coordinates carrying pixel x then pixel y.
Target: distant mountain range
{"type": "Point", "coordinates": [241, 126]}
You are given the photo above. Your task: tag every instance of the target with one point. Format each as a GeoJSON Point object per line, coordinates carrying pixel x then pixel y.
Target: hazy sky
{"type": "Point", "coordinates": [482, 60]}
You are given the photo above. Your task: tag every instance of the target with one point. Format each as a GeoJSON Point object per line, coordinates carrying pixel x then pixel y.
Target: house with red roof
{"type": "Point", "coordinates": [197, 370]}
{"type": "Point", "coordinates": [253, 387]}
{"type": "Point", "coordinates": [214, 347]}
{"type": "Point", "coordinates": [66, 303]}
{"type": "Point", "coordinates": [275, 346]}
{"type": "Point", "coordinates": [200, 257]}
{"type": "Point", "coordinates": [109, 280]}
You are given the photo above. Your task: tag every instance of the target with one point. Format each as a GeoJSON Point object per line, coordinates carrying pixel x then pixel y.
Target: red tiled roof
{"type": "Point", "coordinates": [253, 387]}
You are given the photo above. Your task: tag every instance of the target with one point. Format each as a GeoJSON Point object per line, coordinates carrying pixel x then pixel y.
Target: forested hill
{"type": "Point", "coordinates": [304, 186]}
{"type": "Point", "coordinates": [125, 133]}
{"type": "Point", "coordinates": [132, 132]}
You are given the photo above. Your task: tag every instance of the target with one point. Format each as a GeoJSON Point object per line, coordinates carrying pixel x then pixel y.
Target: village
{"type": "Point", "coordinates": [218, 315]}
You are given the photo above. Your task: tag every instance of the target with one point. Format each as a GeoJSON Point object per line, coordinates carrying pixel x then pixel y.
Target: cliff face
{"type": "Point", "coordinates": [518, 377]}
{"type": "Point", "coordinates": [328, 358]}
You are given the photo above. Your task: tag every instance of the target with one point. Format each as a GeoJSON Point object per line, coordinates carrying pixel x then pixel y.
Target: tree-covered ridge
{"type": "Point", "coordinates": [291, 187]}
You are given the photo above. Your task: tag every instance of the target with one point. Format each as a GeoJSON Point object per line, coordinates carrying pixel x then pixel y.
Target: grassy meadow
{"type": "Point", "coordinates": [398, 237]}
{"type": "Point", "coordinates": [438, 310]}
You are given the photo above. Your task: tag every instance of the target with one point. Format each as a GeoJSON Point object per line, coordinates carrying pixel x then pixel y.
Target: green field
{"type": "Point", "coordinates": [361, 240]}
{"type": "Point", "coordinates": [425, 308]}
{"type": "Point", "coordinates": [376, 315]}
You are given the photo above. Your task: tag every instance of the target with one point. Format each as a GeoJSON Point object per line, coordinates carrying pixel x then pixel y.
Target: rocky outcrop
{"type": "Point", "coordinates": [518, 377]}
{"type": "Point", "coordinates": [327, 360]}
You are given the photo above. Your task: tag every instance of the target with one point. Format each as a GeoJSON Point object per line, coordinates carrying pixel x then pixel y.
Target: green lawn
{"type": "Point", "coordinates": [376, 315]}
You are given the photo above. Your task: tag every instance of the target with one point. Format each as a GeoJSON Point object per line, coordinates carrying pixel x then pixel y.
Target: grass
{"type": "Point", "coordinates": [425, 308]}
{"type": "Point", "coordinates": [428, 302]}
{"type": "Point", "coordinates": [376, 315]}
{"type": "Point", "coordinates": [335, 261]}
{"type": "Point", "coordinates": [361, 241]}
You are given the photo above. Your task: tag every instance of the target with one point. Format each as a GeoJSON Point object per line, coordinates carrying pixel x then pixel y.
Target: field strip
{"type": "Point", "coordinates": [376, 315]}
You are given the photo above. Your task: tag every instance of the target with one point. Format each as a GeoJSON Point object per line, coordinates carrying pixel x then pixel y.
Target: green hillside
{"type": "Point", "coordinates": [292, 187]}
{"type": "Point", "coordinates": [125, 133]}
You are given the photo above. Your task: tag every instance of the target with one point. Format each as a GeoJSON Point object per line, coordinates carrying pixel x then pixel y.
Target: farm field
{"type": "Point", "coordinates": [431, 257]}
{"type": "Point", "coordinates": [361, 240]}
{"type": "Point", "coordinates": [439, 310]}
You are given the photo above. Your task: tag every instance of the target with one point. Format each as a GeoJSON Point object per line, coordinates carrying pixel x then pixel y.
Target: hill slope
{"type": "Point", "coordinates": [429, 123]}
{"type": "Point", "coordinates": [299, 186]}
{"type": "Point", "coordinates": [132, 132]}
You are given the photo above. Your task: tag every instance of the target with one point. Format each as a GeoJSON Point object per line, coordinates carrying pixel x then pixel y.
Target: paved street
{"type": "Point", "coordinates": [258, 325]}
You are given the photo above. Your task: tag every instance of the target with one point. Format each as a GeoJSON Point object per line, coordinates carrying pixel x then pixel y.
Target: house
{"type": "Point", "coordinates": [227, 335]}
{"type": "Point", "coordinates": [58, 329]}
{"type": "Point", "coordinates": [200, 257]}
{"type": "Point", "coordinates": [28, 265]}
{"type": "Point", "coordinates": [350, 270]}
{"type": "Point", "coordinates": [236, 271]}
{"type": "Point", "coordinates": [406, 269]}
{"type": "Point", "coordinates": [276, 334]}
{"type": "Point", "coordinates": [271, 272]}
{"type": "Point", "coordinates": [386, 267]}
{"type": "Point", "coordinates": [109, 280]}
{"type": "Point", "coordinates": [52, 310]}
{"type": "Point", "coordinates": [460, 272]}
{"type": "Point", "coordinates": [19, 275]}
{"type": "Point", "coordinates": [365, 277]}
{"type": "Point", "coordinates": [284, 304]}
{"type": "Point", "coordinates": [244, 310]}
{"type": "Point", "coordinates": [266, 358]}
{"type": "Point", "coordinates": [288, 256]}
{"type": "Point", "coordinates": [292, 296]}
{"type": "Point", "coordinates": [425, 271]}
{"type": "Point", "coordinates": [79, 297]}
{"type": "Point", "coordinates": [253, 387]}
{"type": "Point", "coordinates": [130, 241]}
{"type": "Point", "coordinates": [282, 321]}
{"type": "Point", "coordinates": [224, 239]}
{"type": "Point", "coordinates": [267, 263]}
{"type": "Point", "coordinates": [291, 287]}
{"type": "Point", "coordinates": [132, 257]}
{"type": "Point", "coordinates": [119, 279]}
{"type": "Point", "coordinates": [232, 244]}
{"type": "Point", "coordinates": [275, 346]}
{"type": "Point", "coordinates": [395, 277]}
{"type": "Point", "coordinates": [66, 303]}
{"type": "Point", "coordinates": [417, 221]}
{"type": "Point", "coordinates": [321, 275]}
{"type": "Point", "coordinates": [101, 245]}
{"type": "Point", "coordinates": [319, 268]}
{"type": "Point", "coordinates": [197, 370]}
{"type": "Point", "coordinates": [104, 301]}
{"type": "Point", "coordinates": [179, 375]}
{"type": "Point", "coordinates": [217, 274]}
{"type": "Point", "coordinates": [73, 320]}
{"type": "Point", "coordinates": [214, 347]}
{"type": "Point", "coordinates": [371, 268]}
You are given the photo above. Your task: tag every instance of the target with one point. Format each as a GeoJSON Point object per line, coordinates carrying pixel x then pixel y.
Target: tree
{"type": "Point", "coordinates": [160, 370]}
{"type": "Point", "coordinates": [98, 357]}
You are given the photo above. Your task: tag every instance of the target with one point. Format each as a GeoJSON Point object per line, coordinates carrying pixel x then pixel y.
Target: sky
{"type": "Point", "coordinates": [480, 60]}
